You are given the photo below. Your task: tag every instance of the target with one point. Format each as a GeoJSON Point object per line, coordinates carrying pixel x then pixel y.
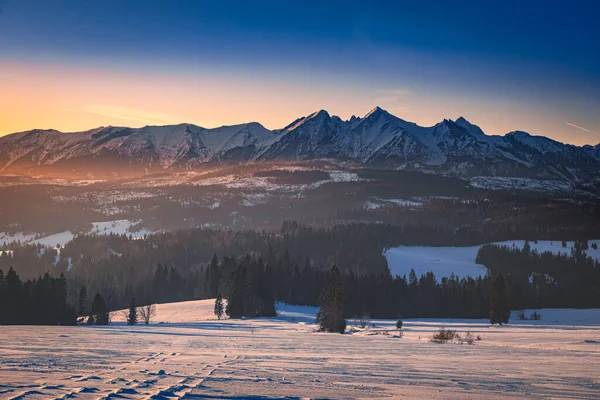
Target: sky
{"type": "Point", "coordinates": [75, 65]}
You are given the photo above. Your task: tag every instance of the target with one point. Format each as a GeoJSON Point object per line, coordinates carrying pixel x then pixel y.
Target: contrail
{"type": "Point", "coordinates": [582, 128]}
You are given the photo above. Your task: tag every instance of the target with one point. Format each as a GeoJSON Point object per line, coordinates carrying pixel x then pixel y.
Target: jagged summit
{"type": "Point", "coordinates": [379, 138]}
{"type": "Point", "coordinates": [376, 111]}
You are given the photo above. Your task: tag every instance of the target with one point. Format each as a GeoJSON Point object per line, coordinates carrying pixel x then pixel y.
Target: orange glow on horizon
{"type": "Point", "coordinates": [76, 99]}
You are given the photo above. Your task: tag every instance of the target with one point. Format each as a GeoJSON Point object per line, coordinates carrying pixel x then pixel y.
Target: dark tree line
{"type": "Point", "coordinates": [41, 301]}
{"type": "Point", "coordinates": [292, 264]}
{"type": "Point", "coordinates": [248, 287]}
{"type": "Point", "coordinates": [546, 280]}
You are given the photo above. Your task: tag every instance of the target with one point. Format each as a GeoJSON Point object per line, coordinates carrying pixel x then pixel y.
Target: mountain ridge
{"type": "Point", "coordinates": [454, 147]}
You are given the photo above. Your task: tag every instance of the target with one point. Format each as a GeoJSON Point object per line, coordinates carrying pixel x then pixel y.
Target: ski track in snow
{"type": "Point", "coordinates": [285, 358]}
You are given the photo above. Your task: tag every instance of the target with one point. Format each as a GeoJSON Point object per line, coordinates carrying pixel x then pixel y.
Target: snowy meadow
{"type": "Point", "coordinates": [186, 353]}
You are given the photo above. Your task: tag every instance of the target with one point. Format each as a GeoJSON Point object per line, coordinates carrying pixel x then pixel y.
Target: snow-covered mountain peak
{"type": "Point", "coordinates": [315, 118]}
{"type": "Point", "coordinates": [376, 113]}
{"type": "Point", "coordinates": [450, 147]}
{"type": "Point", "coordinates": [471, 128]}
{"type": "Point", "coordinates": [319, 115]}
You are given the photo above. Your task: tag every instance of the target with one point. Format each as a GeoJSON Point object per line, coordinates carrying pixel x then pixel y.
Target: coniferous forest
{"type": "Point", "coordinates": [253, 270]}
{"type": "Point", "coordinates": [41, 301]}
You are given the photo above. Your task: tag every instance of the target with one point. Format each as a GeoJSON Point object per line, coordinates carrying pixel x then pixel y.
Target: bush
{"type": "Point", "coordinates": [469, 338]}
{"type": "Point", "coordinates": [399, 324]}
{"type": "Point", "coordinates": [534, 316]}
{"type": "Point", "coordinates": [444, 336]}
{"type": "Point", "coordinates": [362, 321]}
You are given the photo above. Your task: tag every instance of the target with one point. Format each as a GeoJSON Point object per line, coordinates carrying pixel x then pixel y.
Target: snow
{"type": "Point", "coordinates": [539, 185]}
{"type": "Point", "coordinates": [553, 246]}
{"type": "Point", "coordinates": [117, 227]}
{"type": "Point", "coordinates": [376, 137]}
{"type": "Point", "coordinates": [200, 357]}
{"type": "Point", "coordinates": [380, 202]}
{"type": "Point", "coordinates": [20, 237]}
{"type": "Point", "coordinates": [370, 205]}
{"type": "Point", "coordinates": [181, 312]}
{"type": "Point", "coordinates": [443, 261]}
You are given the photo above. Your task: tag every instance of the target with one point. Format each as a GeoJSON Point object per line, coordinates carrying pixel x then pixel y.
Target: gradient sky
{"type": "Point", "coordinates": [75, 65]}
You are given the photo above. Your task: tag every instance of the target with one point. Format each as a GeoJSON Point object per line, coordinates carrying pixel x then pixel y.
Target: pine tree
{"type": "Point", "coordinates": [235, 303]}
{"type": "Point", "coordinates": [213, 277]}
{"type": "Point", "coordinates": [132, 316]}
{"type": "Point", "coordinates": [499, 302]}
{"type": "Point", "coordinates": [82, 301]}
{"type": "Point", "coordinates": [14, 306]}
{"type": "Point", "coordinates": [99, 311]}
{"type": "Point", "coordinates": [331, 314]}
{"type": "Point", "coordinates": [219, 306]}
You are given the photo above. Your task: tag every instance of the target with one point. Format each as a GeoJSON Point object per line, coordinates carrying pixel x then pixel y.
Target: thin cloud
{"type": "Point", "coordinates": [582, 128]}
{"type": "Point", "coordinates": [391, 96]}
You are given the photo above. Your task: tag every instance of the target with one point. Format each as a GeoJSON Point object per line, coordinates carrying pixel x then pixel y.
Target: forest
{"type": "Point", "coordinates": [291, 266]}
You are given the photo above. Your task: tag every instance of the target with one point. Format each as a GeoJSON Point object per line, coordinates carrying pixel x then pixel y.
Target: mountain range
{"type": "Point", "coordinates": [379, 139]}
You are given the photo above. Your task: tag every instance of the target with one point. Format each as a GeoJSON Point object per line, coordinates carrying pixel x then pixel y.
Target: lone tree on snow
{"type": "Point", "coordinates": [148, 312]}
{"type": "Point", "coordinates": [331, 314]}
{"type": "Point", "coordinates": [132, 316]}
{"type": "Point", "coordinates": [499, 304]}
{"type": "Point", "coordinates": [219, 309]}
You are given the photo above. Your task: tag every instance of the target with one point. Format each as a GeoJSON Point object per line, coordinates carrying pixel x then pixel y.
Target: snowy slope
{"type": "Point", "coordinates": [460, 261]}
{"type": "Point", "coordinates": [192, 355]}
{"type": "Point", "coordinates": [117, 227]}
{"type": "Point", "coordinates": [379, 138]}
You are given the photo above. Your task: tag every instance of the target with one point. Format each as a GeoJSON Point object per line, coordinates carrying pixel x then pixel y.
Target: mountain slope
{"type": "Point", "coordinates": [379, 138]}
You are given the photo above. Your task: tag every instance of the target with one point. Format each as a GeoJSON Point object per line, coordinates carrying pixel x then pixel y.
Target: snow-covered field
{"type": "Point", "coordinates": [116, 227]}
{"type": "Point", "coordinates": [195, 358]}
{"type": "Point", "coordinates": [443, 261]}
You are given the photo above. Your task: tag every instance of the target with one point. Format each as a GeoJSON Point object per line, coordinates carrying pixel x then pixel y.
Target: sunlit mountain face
{"type": "Point", "coordinates": [379, 139]}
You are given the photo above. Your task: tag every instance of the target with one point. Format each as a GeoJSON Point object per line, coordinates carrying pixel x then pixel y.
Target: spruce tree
{"type": "Point", "coordinates": [219, 306]}
{"type": "Point", "coordinates": [499, 303]}
{"type": "Point", "coordinates": [331, 314]}
{"type": "Point", "coordinates": [132, 316]}
{"type": "Point", "coordinates": [99, 311]}
{"type": "Point", "coordinates": [82, 301]}
{"type": "Point", "coordinates": [213, 277]}
{"type": "Point", "coordinates": [235, 303]}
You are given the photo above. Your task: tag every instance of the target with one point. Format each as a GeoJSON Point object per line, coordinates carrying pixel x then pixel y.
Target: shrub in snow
{"type": "Point", "coordinates": [148, 312]}
{"type": "Point", "coordinates": [469, 338]}
{"type": "Point", "coordinates": [535, 316]}
{"type": "Point", "coordinates": [362, 321]}
{"type": "Point", "coordinates": [444, 336]}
